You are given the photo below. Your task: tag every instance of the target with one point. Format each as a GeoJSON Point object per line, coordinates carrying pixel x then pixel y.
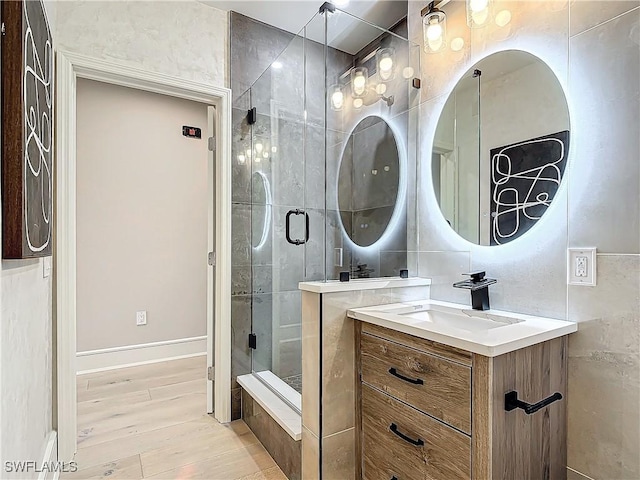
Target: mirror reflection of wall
{"type": "Point", "coordinates": [368, 181]}
{"type": "Point", "coordinates": [500, 148]}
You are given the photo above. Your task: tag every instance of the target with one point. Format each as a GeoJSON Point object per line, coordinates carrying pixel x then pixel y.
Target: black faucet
{"type": "Point", "coordinates": [479, 287]}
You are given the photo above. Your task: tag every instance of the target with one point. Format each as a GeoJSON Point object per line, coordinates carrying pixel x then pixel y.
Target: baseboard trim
{"type": "Point", "coordinates": [92, 361]}
{"type": "Point", "coordinates": [49, 457]}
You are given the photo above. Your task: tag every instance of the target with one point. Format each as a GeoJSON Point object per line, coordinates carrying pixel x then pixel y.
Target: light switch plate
{"type": "Point", "coordinates": [581, 266]}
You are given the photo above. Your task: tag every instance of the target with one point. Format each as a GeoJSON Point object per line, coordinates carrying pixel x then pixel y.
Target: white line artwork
{"type": "Point", "coordinates": [524, 178]}
{"type": "Point", "coordinates": [37, 101]}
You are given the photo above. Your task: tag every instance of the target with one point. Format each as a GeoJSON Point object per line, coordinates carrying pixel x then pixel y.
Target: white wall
{"type": "Point", "coordinates": [142, 217]}
{"type": "Point", "coordinates": [184, 39]}
{"type": "Point", "coordinates": [156, 36]}
{"type": "Point", "coordinates": [25, 360]}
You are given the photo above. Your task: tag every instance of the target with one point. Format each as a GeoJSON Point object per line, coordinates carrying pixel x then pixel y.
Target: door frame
{"type": "Point", "coordinates": [69, 67]}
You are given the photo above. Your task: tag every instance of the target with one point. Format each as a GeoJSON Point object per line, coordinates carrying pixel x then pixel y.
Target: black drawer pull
{"type": "Point", "coordinates": [414, 381]}
{"type": "Point", "coordinates": [394, 428]}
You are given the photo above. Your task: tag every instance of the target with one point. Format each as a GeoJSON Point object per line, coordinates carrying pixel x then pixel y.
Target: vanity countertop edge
{"type": "Point", "coordinates": [334, 286]}
{"type": "Point", "coordinates": [531, 331]}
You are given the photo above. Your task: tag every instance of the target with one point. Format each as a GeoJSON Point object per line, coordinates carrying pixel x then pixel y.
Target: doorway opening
{"type": "Point", "coordinates": [70, 70]}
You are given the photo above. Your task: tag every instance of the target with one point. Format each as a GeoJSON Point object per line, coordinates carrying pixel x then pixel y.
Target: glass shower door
{"type": "Point", "coordinates": [279, 225]}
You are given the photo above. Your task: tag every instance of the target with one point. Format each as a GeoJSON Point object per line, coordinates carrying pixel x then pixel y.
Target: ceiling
{"type": "Point", "coordinates": [345, 32]}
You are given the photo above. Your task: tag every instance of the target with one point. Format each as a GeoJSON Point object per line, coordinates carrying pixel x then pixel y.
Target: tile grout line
{"type": "Point", "coordinates": [604, 22]}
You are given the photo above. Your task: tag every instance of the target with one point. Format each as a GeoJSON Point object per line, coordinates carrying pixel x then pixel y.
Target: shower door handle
{"type": "Point", "coordinates": [297, 211]}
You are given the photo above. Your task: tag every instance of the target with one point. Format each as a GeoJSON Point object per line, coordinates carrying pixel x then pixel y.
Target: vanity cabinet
{"type": "Point", "coordinates": [428, 411]}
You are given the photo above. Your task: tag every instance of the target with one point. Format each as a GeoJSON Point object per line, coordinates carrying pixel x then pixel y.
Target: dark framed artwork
{"type": "Point", "coordinates": [525, 177]}
{"type": "Point", "coordinates": [27, 130]}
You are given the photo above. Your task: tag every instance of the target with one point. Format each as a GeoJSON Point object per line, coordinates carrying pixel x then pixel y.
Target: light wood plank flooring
{"type": "Point", "coordinates": [149, 422]}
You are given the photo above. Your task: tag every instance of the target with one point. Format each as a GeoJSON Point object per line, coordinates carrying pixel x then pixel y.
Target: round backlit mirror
{"type": "Point", "coordinates": [500, 148]}
{"type": "Point", "coordinates": [369, 181]}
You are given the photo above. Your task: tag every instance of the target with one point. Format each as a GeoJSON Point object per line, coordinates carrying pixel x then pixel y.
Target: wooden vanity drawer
{"type": "Point", "coordinates": [421, 448]}
{"type": "Point", "coordinates": [437, 386]}
{"type": "Point", "coordinates": [422, 344]}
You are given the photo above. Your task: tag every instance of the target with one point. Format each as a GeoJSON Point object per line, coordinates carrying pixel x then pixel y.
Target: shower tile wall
{"type": "Point", "coordinates": [594, 49]}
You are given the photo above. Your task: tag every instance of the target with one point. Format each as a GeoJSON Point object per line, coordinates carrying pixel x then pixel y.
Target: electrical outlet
{"type": "Point", "coordinates": [141, 317]}
{"type": "Point", "coordinates": [581, 266]}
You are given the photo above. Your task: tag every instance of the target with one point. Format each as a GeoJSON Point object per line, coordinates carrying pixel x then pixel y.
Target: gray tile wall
{"type": "Point", "coordinates": [593, 47]}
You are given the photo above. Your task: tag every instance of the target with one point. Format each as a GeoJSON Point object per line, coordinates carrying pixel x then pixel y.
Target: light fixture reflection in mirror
{"type": "Point", "coordinates": [500, 148]}
{"type": "Point", "coordinates": [384, 60]}
{"type": "Point", "coordinates": [478, 13]}
{"type": "Point", "coordinates": [337, 97]}
{"type": "Point", "coordinates": [503, 18]}
{"type": "Point", "coordinates": [359, 80]}
{"type": "Point", "coordinates": [457, 44]}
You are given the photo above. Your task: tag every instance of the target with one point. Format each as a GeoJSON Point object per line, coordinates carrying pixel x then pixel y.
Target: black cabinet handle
{"type": "Point", "coordinates": [413, 381]}
{"type": "Point", "coordinates": [297, 211]}
{"type": "Point", "coordinates": [394, 478]}
{"type": "Point", "coordinates": [511, 402]}
{"type": "Point", "coordinates": [394, 428]}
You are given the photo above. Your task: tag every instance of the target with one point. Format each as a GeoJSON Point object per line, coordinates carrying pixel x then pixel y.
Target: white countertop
{"type": "Point", "coordinates": [506, 332]}
{"type": "Point", "coordinates": [332, 286]}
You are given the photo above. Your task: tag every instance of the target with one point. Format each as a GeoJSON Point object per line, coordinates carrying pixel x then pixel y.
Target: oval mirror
{"type": "Point", "coordinates": [368, 181]}
{"type": "Point", "coordinates": [500, 148]}
{"type": "Point", "coordinates": [261, 211]}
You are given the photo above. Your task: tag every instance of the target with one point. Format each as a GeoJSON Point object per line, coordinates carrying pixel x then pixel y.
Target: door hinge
{"type": "Point", "coordinates": [3, 29]}
{"type": "Point", "coordinates": [212, 144]}
{"type": "Point", "coordinates": [210, 373]}
{"type": "Point", "coordinates": [211, 259]}
{"type": "Point", "coordinates": [252, 116]}
{"type": "Point", "coordinates": [252, 341]}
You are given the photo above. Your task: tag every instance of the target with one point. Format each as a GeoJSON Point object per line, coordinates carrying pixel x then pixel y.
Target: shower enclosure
{"type": "Point", "coordinates": [329, 135]}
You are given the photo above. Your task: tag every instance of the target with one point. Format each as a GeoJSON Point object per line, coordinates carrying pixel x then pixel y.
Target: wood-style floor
{"type": "Point", "coordinates": [149, 422]}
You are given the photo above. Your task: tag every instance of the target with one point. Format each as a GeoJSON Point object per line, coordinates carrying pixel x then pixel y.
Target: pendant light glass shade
{"type": "Point", "coordinates": [434, 29]}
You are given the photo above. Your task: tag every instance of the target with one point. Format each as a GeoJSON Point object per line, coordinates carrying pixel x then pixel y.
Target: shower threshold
{"type": "Point", "coordinates": [284, 414]}
{"type": "Point", "coordinates": [281, 388]}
